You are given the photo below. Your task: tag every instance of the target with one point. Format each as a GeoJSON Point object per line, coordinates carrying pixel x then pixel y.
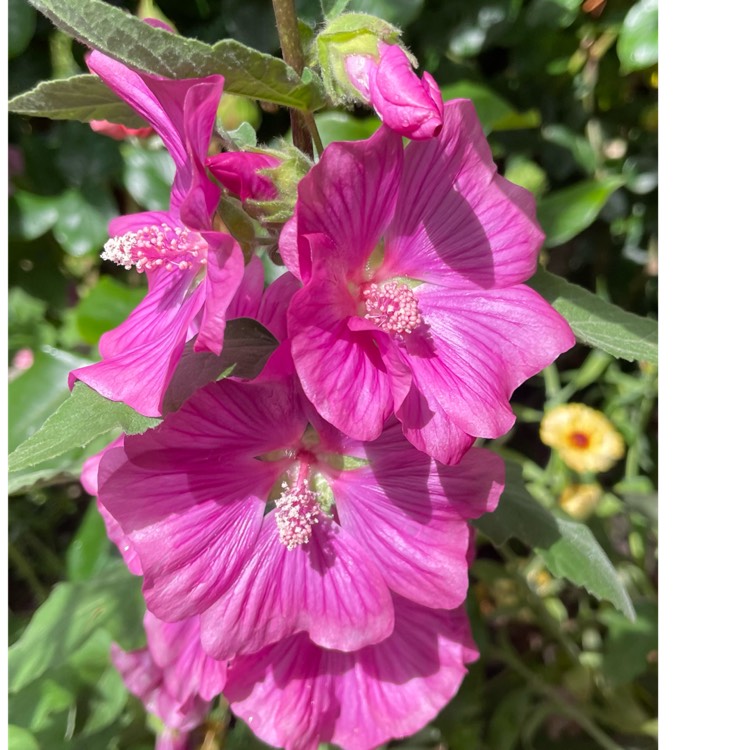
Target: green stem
{"type": "Point", "coordinates": [507, 654]}
{"type": "Point", "coordinates": [303, 127]}
{"type": "Point", "coordinates": [551, 381]}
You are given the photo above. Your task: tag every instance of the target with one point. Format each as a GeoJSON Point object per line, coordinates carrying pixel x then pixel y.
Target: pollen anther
{"type": "Point", "coordinates": [297, 511]}
{"type": "Point", "coordinates": [393, 307]}
{"type": "Point", "coordinates": [173, 248]}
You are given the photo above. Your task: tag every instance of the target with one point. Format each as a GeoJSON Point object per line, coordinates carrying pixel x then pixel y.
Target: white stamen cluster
{"type": "Point", "coordinates": [174, 248]}
{"type": "Point", "coordinates": [392, 307]}
{"type": "Point", "coordinates": [297, 511]}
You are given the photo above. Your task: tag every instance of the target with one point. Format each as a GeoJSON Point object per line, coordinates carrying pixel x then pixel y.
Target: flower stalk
{"type": "Point", "coordinates": [304, 130]}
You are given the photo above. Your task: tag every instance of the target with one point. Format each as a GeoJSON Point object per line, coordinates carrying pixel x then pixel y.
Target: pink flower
{"type": "Point", "coordinates": [173, 676]}
{"type": "Point", "coordinates": [119, 132]}
{"type": "Point", "coordinates": [296, 695]}
{"type": "Point", "coordinates": [238, 172]}
{"type": "Point", "coordinates": [193, 271]}
{"type": "Point", "coordinates": [350, 525]}
{"type": "Point", "coordinates": [412, 262]}
{"type": "Point", "coordinates": [405, 103]}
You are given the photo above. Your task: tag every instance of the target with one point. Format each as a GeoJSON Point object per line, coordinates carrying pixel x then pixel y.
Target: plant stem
{"type": "Point", "coordinates": [303, 124]}
{"type": "Point", "coordinates": [507, 654]}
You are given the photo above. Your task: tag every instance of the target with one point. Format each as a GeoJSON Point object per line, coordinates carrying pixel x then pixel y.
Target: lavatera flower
{"type": "Point", "coordinates": [412, 262]}
{"type": "Point", "coordinates": [245, 508]}
{"type": "Point", "coordinates": [193, 271]}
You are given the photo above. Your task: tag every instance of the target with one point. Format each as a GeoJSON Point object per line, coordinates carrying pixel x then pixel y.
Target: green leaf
{"type": "Point", "coordinates": [148, 176]}
{"type": "Point", "coordinates": [104, 307]}
{"type": "Point", "coordinates": [71, 615]}
{"type": "Point", "coordinates": [35, 394]}
{"type": "Point", "coordinates": [244, 137]}
{"type": "Point", "coordinates": [580, 148]}
{"type": "Point", "coordinates": [62, 469]}
{"type": "Point", "coordinates": [21, 26]}
{"type": "Point", "coordinates": [567, 212]}
{"type": "Point", "coordinates": [628, 643]}
{"type": "Point", "coordinates": [21, 739]}
{"type": "Point", "coordinates": [599, 323]}
{"type": "Point", "coordinates": [341, 126]}
{"type": "Point", "coordinates": [83, 416]}
{"type": "Point", "coordinates": [39, 213]}
{"type": "Point", "coordinates": [83, 98]}
{"type": "Point", "coordinates": [82, 224]}
{"type": "Point", "coordinates": [567, 547]}
{"type": "Point", "coordinates": [156, 51]}
{"type": "Point", "coordinates": [494, 112]}
{"type": "Point", "coordinates": [89, 550]}
{"type": "Point", "coordinates": [638, 45]}
{"type": "Point", "coordinates": [247, 347]}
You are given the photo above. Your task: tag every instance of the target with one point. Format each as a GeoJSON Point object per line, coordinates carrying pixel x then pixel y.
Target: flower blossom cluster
{"type": "Point", "coordinates": [303, 536]}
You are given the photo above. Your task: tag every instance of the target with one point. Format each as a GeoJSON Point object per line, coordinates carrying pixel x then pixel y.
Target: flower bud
{"type": "Point", "coordinates": [405, 103]}
{"type": "Point", "coordinates": [349, 34]}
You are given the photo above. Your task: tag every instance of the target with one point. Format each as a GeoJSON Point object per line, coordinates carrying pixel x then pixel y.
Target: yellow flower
{"type": "Point", "coordinates": [579, 500]}
{"type": "Point", "coordinates": [584, 437]}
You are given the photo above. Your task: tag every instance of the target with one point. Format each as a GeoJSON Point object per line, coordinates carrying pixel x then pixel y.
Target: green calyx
{"type": "Point", "coordinates": [349, 34]}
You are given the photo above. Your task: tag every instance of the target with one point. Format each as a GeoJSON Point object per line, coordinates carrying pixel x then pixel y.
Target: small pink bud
{"type": "Point", "coordinates": [237, 171]}
{"type": "Point", "coordinates": [407, 104]}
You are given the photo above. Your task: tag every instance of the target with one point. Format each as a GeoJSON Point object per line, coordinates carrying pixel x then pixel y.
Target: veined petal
{"type": "Point", "coordinates": [140, 355]}
{"type": "Point", "coordinates": [327, 587]}
{"type": "Point", "coordinates": [275, 303]}
{"type": "Point", "coordinates": [457, 223]}
{"type": "Point", "coordinates": [350, 196]}
{"type": "Point", "coordinates": [287, 693]}
{"type": "Point", "coordinates": [188, 670]}
{"type": "Point", "coordinates": [393, 689]}
{"type": "Point", "coordinates": [486, 343]}
{"type": "Point", "coordinates": [427, 426]}
{"type": "Point", "coordinates": [246, 300]}
{"type": "Point", "coordinates": [341, 371]}
{"type": "Point", "coordinates": [297, 695]}
{"type": "Point", "coordinates": [410, 512]}
{"type": "Point", "coordinates": [225, 268]}
{"type": "Point", "coordinates": [191, 526]}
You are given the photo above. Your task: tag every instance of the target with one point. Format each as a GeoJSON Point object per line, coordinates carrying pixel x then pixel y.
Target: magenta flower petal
{"type": "Point", "coordinates": [195, 481]}
{"type": "Point", "coordinates": [224, 273]}
{"type": "Point", "coordinates": [181, 111]}
{"type": "Point", "coordinates": [275, 304]}
{"type": "Point", "coordinates": [406, 104]}
{"type": "Point", "coordinates": [142, 353]}
{"type": "Point", "coordinates": [341, 370]}
{"type": "Point", "coordinates": [238, 172]}
{"type": "Point", "coordinates": [428, 428]}
{"type": "Point", "coordinates": [328, 588]}
{"type": "Point", "coordinates": [90, 481]}
{"type": "Point", "coordinates": [296, 695]}
{"type": "Point", "coordinates": [365, 176]}
{"type": "Point", "coordinates": [143, 678]}
{"type": "Point", "coordinates": [457, 222]}
{"type": "Point", "coordinates": [210, 525]}
{"type": "Point", "coordinates": [247, 298]}
{"type": "Point", "coordinates": [409, 106]}
{"type": "Point", "coordinates": [410, 513]}
{"type": "Point", "coordinates": [486, 344]}
{"type": "Point", "coordinates": [188, 670]}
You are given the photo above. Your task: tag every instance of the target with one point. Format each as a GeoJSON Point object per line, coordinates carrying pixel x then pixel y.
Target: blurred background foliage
{"type": "Point", "coordinates": [567, 94]}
